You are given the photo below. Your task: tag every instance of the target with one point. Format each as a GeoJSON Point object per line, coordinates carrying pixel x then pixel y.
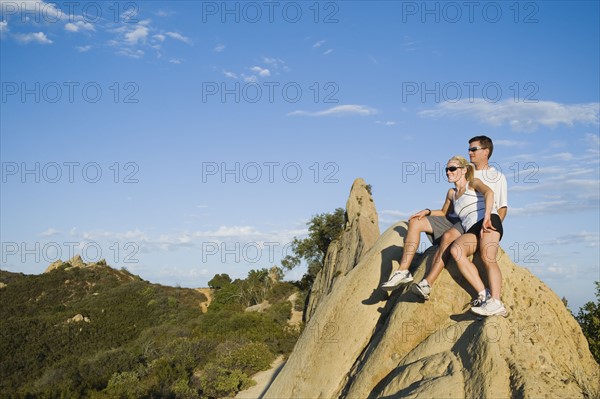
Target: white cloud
{"type": "Point", "coordinates": [39, 37]}
{"type": "Point", "coordinates": [176, 61]}
{"type": "Point", "coordinates": [319, 43]}
{"type": "Point", "coordinates": [590, 239]}
{"type": "Point", "coordinates": [563, 156]}
{"type": "Point", "coordinates": [164, 13]}
{"type": "Point", "coordinates": [276, 63]}
{"type": "Point", "coordinates": [3, 26]}
{"type": "Point", "coordinates": [79, 25]}
{"type": "Point", "coordinates": [71, 27]}
{"type": "Point", "coordinates": [340, 110]}
{"type": "Point", "coordinates": [219, 48]}
{"type": "Point", "coordinates": [327, 52]}
{"type": "Point", "coordinates": [520, 116]}
{"type": "Point", "coordinates": [554, 207]}
{"type": "Point", "coordinates": [83, 49]}
{"type": "Point", "coordinates": [386, 123]}
{"type": "Point", "coordinates": [180, 37]}
{"type": "Point", "coordinates": [509, 143]}
{"type": "Point", "coordinates": [159, 37]}
{"type": "Point", "coordinates": [131, 53]}
{"type": "Point", "coordinates": [230, 74]}
{"type": "Point", "coordinates": [138, 35]}
{"type": "Point", "coordinates": [50, 232]}
{"type": "Point", "coordinates": [241, 235]}
{"type": "Point", "coordinates": [262, 72]}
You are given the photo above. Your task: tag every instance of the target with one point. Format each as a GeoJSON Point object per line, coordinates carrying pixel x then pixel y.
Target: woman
{"type": "Point", "coordinates": [473, 202]}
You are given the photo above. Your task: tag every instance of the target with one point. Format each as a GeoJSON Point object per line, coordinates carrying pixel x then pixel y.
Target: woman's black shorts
{"type": "Point", "coordinates": [496, 222]}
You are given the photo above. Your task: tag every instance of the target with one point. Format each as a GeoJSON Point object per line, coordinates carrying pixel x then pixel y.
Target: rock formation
{"type": "Point", "coordinates": [361, 344]}
{"type": "Point", "coordinates": [75, 261]}
{"type": "Point", "coordinates": [359, 235]}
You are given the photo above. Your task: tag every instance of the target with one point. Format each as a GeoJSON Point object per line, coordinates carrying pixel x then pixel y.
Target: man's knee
{"type": "Point", "coordinates": [489, 253]}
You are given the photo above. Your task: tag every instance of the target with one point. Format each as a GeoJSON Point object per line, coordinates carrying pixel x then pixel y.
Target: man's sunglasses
{"type": "Point", "coordinates": [476, 148]}
{"type": "Point", "coordinates": [453, 168]}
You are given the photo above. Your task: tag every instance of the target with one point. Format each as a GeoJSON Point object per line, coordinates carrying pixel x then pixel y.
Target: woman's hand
{"type": "Point", "coordinates": [419, 215]}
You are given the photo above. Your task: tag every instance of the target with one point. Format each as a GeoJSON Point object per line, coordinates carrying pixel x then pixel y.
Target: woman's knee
{"type": "Point", "coordinates": [416, 225]}
{"type": "Point", "coordinates": [456, 251]}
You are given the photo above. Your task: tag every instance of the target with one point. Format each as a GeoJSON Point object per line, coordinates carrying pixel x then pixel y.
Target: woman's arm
{"type": "Point", "coordinates": [436, 212]}
{"type": "Point", "coordinates": [445, 207]}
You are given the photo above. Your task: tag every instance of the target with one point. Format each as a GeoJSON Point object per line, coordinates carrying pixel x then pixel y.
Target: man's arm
{"type": "Point", "coordinates": [502, 212]}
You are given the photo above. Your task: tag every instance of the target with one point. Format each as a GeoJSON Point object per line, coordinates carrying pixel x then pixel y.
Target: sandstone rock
{"type": "Point", "coordinates": [341, 327]}
{"type": "Point", "coordinates": [357, 347]}
{"type": "Point", "coordinates": [54, 265]}
{"type": "Point", "coordinates": [3, 285]}
{"type": "Point", "coordinates": [76, 261]}
{"type": "Point", "coordinates": [343, 254]}
{"type": "Point", "coordinates": [260, 307]}
{"type": "Point", "coordinates": [78, 318]}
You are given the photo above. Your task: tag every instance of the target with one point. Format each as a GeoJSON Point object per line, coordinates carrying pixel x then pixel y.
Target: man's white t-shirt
{"type": "Point", "coordinates": [495, 180]}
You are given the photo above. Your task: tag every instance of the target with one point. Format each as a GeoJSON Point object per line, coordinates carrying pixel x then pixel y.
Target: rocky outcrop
{"type": "Point", "coordinates": [360, 233]}
{"type": "Point", "coordinates": [75, 261]}
{"type": "Point", "coordinates": [78, 318]}
{"type": "Point", "coordinates": [361, 344]}
{"type": "Point", "coordinates": [259, 307]}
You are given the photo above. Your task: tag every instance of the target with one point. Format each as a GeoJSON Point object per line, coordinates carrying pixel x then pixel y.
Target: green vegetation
{"type": "Point", "coordinates": [136, 339]}
{"type": "Point", "coordinates": [589, 320]}
{"type": "Point", "coordinates": [323, 229]}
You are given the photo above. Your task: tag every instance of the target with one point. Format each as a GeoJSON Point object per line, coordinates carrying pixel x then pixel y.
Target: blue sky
{"type": "Point", "coordinates": [182, 139]}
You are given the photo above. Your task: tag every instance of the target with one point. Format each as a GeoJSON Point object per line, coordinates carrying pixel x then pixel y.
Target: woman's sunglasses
{"type": "Point", "coordinates": [453, 168]}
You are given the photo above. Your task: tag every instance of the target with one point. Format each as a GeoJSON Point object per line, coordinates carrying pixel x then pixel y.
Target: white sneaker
{"type": "Point", "coordinates": [399, 277]}
{"type": "Point", "coordinates": [423, 289]}
{"type": "Point", "coordinates": [491, 307]}
{"type": "Point", "coordinates": [477, 302]}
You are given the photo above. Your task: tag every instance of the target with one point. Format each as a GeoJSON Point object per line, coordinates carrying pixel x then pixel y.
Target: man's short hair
{"type": "Point", "coordinates": [485, 142]}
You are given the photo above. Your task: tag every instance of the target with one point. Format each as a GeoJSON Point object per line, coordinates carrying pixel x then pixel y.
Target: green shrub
{"type": "Point", "coordinates": [219, 382]}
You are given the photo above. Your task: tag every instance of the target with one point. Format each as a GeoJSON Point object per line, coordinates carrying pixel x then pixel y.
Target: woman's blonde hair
{"type": "Point", "coordinates": [462, 162]}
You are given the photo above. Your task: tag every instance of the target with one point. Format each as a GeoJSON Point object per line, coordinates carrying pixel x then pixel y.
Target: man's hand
{"type": "Point", "coordinates": [487, 226]}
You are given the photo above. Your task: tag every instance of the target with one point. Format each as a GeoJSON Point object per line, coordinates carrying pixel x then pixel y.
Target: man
{"type": "Point", "coordinates": [445, 228]}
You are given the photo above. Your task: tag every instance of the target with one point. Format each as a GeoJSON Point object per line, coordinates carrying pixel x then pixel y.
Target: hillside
{"type": "Point", "coordinates": [93, 331]}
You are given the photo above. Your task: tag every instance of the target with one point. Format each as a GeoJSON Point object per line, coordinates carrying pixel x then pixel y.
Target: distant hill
{"type": "Point", "coordinates": [88, 330]}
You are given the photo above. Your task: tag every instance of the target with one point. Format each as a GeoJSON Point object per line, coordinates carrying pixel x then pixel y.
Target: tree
{"type": "Point", "coordinates": [219, 281]}
{"type": "Point", "coordinates": [589, 320]}
{"type": "Point", "coordinates": [322, 230]}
